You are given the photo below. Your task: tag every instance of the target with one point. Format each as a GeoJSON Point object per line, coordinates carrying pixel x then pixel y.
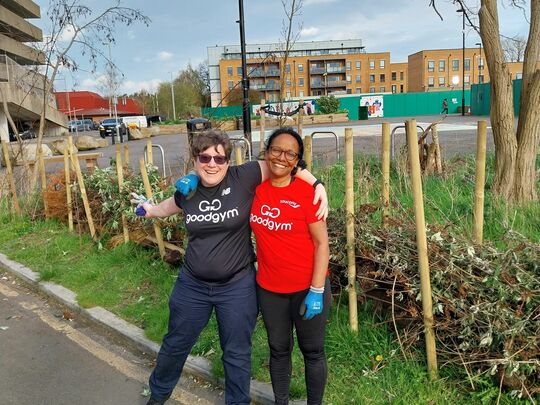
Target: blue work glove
{"type": "Point", "coordinates": [139, 200]}
{"type": "Point", "coordinates": [313, 304]}
{"type": "Point", "coordinates": [187, 184]}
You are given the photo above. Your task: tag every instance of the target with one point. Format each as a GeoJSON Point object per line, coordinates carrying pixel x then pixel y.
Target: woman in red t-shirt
{"type": "Point", "coordinates": [292, 253]}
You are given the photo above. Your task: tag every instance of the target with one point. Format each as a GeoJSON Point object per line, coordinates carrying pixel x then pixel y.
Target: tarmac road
{"type": "Point", "coordinates": [49, 356]}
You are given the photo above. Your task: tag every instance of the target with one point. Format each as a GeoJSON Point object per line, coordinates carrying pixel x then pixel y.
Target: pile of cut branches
{"type": "Point", "coordinates": [486, 301]}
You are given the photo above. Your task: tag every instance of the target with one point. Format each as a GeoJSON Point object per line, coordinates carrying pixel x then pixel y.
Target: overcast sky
{"type": "Point", "coordinates": [181, 30]}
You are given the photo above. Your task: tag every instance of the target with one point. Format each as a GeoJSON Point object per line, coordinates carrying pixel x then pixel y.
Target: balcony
{"type": "Point", "coordinates": [317, 70]}
{"type": "Point", "coordinates": [335, 69]}
{"type": "Point", "coordinates": [256, 73]}
{"type": "Point", "coordinates": [336, 83]}
{"type": "Point", "coordinates": [273, 73]}
{"type": "Point", "coordinates": [265, 87]}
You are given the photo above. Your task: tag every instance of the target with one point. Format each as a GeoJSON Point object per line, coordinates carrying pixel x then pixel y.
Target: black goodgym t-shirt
{"type": "Point", "coordinates": [217, 221]}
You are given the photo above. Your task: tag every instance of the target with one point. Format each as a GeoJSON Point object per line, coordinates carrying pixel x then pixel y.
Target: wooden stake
{"type": "Point", "coordinates": [238, 154]}
{"type": "Point", "coordinates": [149, 153]}
{"type": "Point", "coordinates": [385, 173]}
{"type": "Point", "coordinates": [300, 118]}
{"type": "Point", "coordinates": [149, 195]}
{"type": "Point", "coordinates": [351, 256]}
{"type": "Point", "coordinates": [438, 158]}
{"type": "Point", "coordinates": [421, 242]}
{"type": "Point", "coordinates": [11, 179]}
{"type": "Point", "coordinates": [43, 177]}
{"type": "Point", "coordinates": [120, 175]}
{"type": "Point", "coordinates": [84, 196]}
{"type": "Point", "coordinates": [480, 182]}
{"type": "Point", "coordinates": [126, 156]}
{"type": "Point", "coordinates": [308, 151]}
{"type": "Point", "coordinates": [263, 133]}
{"type": "Point", "coordinates": [67, 176]}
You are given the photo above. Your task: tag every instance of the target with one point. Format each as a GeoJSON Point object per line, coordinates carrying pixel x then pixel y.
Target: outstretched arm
{"type": "Point", "coordinates": [163, 209]}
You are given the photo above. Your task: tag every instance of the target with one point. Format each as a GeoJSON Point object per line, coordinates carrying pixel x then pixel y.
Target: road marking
{"type": "Point", "coordinates": [105, 355]}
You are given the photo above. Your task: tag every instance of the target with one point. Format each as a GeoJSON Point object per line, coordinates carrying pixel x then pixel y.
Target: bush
{"type": "Point", "coordinates": [328, 105]}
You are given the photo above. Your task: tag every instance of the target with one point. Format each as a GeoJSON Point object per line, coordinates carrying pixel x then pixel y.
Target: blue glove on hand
{"type": "Point", "coordinates": [187, 184]}
{"type": "Point", "coordinates": [313, 303]}
{"type": "Point", "coordinates": [139, 200]}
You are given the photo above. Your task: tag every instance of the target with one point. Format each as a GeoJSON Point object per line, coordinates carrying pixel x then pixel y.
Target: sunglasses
{"type": "Point", "coordinates": [218, 159]}
{"type": "Point", "coordinates": [289, 154]}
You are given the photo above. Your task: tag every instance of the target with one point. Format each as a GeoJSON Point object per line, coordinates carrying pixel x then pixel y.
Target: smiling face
{"type": "Point", "coordinates": [282, 157]}
{"type": "Point", "coordinates": [211, 173]}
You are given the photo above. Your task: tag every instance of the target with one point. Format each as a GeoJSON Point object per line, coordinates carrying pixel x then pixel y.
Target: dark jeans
{"type": "Point", "coordinates": [280, 313]}
{"type": "Point", "coordinates": [190, 306]}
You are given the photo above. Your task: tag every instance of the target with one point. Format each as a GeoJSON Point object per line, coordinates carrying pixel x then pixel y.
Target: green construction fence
{"type": "Point", "coordinates": [481, 97]}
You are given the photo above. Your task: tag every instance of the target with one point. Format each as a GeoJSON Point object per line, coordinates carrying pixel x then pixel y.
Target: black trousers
{"type": "Point", "coordinates": [280, 313]}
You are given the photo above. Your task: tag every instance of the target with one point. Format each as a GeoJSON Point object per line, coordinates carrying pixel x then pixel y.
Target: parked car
{"type": "Point", "coordinates": [109, 126]}
{"type": "Point", "coordinates": [24, 135]}
{"type": "Point", "coordinates": [89, 124]}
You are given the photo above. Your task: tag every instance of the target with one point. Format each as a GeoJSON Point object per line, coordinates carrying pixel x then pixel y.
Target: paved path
{"type": "Point", "coordinates": [51, 356]}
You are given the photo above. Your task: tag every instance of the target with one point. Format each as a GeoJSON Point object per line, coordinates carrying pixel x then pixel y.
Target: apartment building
{"type": "Point", "coordinates": [311, 69]}
{"type": "Point", "coordinates": [21, 84]}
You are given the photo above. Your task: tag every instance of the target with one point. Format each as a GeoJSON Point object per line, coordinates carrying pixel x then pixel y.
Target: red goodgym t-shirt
{"type": "Point", "coordinates": [285, 252]}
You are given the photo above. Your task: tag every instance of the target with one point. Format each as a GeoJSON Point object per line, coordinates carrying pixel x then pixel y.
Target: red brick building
{"type": "Point", "coordinates": [87, 104]}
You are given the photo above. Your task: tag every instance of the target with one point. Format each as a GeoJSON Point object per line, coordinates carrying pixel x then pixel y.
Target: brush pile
{"type": "Point", "coordinates": [486, 300]}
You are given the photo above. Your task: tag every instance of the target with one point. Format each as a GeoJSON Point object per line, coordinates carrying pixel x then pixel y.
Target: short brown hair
{"type": "Point", "coordinates": [212, 137]}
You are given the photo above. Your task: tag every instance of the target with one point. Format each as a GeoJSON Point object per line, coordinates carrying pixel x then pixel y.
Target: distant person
{"type": "Point", "coordinates": [444, 106]}
{"type": "Point", "coordinates": [308, 109]}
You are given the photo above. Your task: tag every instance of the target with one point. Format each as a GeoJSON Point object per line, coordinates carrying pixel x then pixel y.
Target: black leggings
{"type": "Point", "coordinates": [280, 312]}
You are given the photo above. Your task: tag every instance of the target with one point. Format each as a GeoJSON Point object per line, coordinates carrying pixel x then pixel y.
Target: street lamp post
{"type": "Point", "coordinates": [246, 114]}
{"type": "Point", "coordinates": [462, 11]}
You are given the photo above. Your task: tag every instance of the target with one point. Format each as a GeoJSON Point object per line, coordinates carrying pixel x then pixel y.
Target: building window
{"type": "Point", "coordinates": [441, 81]}
{"type": "Point", "coordinates": [301, 81]}
{"type": "Point", "coordinates": [372, 64]}
{"type": "Point", "coordinates": [400, 75]}
{"type": "Point", "coordinates": [519, 75]}
{"type": "Point", "coordinates": [394, 76]}
{"type": "Point", "coordinates": [382, 89]}
{"type": "Point", "coordinates": [358, 64]}
{"type": "Point", "coordinates": [229, 70]}
{"type": "Point", "coordinates": [287, 68]}
{"type": "Point", "coordinates": [358, 79]}
{"type": "Point", "coordinates": [467, 64]}
{"type": "Point", "coordinates": [372, 89]}
{"type": "Point", "coordinates": [431, 81]}
{"type": "Point", "coordinates": [288, 94]}
{"type": "Point", "coordinates": [382, 78]}
{"type": "Point", "coordinates": [381, 63]}
{"type": "Point", "coordinates": [231, 84]}
{"type": "Point", "coordinates": [300, 67]}
{"type": "Point", "coordinates": [455, 65]}
{"type": "Point", "coordinates": [358, 90]}
{"type": "Point", "coordinates": [467, 80]}
{"type": "Point", "coordinates": [480, 78]}
{"type": "Point", "coordinates": [480, 63]}
{"type": "Point", "coordinates": [394, 88]}
{"type": "Point", "coordinates": [288, 82]}
{"type": "Point", "coordinates": [401, 88]}
{"type": "Point", "coordinates": [301, 93]}
{"type": "Point", "coordinates": [372, 78]}
{"type": "Point", "coordinates": [349, 80]}
{"type": "Point", "coordinates": [431, 66]}
{"type": "Point", "coordinates": [348, 65]}
{"type": "Point", "coordinates": [442, 65]}
{"type": "Point", "coordinates": [349, 91]}
{"type": "Point", "coordinates": [239, 70]}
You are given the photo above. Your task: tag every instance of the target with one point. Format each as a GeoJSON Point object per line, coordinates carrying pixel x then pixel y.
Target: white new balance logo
{"type": "Point", "coordinates": [226, 191]}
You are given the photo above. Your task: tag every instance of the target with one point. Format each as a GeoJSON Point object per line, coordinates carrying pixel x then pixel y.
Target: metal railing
{"type": "Point", "coordinates": [328, 132]}
{"type": "Point", "coordinates": [27, 80]}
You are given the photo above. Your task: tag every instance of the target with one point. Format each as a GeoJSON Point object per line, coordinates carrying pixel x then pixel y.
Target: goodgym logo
{"type": "Point", "coordinates": [269, 212]}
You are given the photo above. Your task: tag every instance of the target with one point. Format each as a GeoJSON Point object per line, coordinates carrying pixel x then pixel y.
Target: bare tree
{"type": "Point", "coordinates": [292, 9]}
{"type": "Point", "coordinates": [80, 27]}
{"type": "Point", "coordinates": [515, 150]}
{"type": "Point", "coordinates": [514, 48]}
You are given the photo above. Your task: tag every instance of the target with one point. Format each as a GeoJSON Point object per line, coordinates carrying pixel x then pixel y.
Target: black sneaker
{"type": "Point", "coordinates": [153, 401]}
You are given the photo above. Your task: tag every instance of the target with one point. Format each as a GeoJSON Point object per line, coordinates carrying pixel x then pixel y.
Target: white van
{"type": "Point", "coordinates": [135, 121]}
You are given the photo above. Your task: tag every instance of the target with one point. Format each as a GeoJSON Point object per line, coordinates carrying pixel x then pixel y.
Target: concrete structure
{"type": "Point", "coordinates": [21, 86]}
{"type": "Point", "coordinates": [87, 104]}
{"type": "Point", "coordinates": [312, 69]}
